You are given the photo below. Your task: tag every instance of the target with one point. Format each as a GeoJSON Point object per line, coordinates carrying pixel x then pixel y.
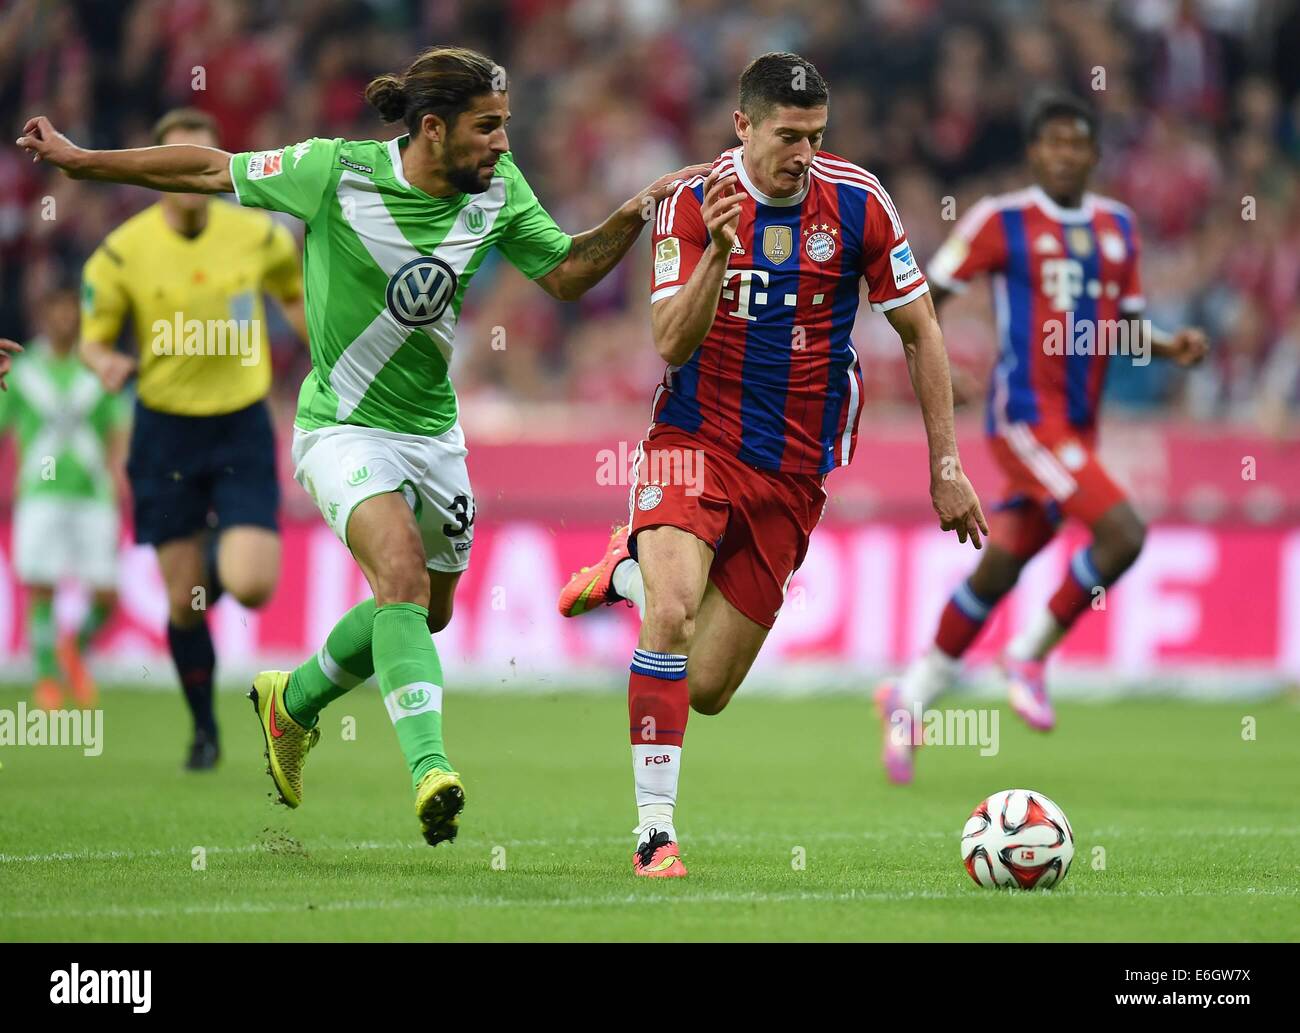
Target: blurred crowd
{"type": "Point", "coordinates": [1200, 104]}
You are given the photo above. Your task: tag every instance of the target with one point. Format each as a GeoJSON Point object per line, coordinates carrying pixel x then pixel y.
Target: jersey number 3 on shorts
{"type": "Point", "coordinates": [460, 509]}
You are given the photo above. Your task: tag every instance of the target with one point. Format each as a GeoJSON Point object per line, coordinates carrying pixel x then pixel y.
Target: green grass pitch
{"type": "Point", "coordinates": [1199, 828]}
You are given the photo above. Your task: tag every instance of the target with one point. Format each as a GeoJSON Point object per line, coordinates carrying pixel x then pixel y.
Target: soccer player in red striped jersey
{"type": "Point", "coordinates": [1064, 266]}
{"type": "Point", "coordinates": [756, 279]}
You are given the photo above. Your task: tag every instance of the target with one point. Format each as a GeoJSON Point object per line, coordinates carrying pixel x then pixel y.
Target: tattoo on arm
{"type": "Point", "coordinates": [603, 244]}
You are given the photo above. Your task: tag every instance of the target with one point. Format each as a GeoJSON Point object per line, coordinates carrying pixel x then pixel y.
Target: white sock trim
{"type": "Point", "coordinates": [334, 672]}
{"type": "Point", "coordinates": [628, 583]}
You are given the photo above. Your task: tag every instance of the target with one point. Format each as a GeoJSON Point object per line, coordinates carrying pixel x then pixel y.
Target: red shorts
{"type": "Point", "coordinates": [1051, 474]}
{"type": "Point", "coordinates": [756, 521]}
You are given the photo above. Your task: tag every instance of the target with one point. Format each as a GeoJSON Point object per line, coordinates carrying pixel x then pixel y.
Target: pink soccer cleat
{"type": "Point", "coordinates": [594, 586]}
{"type": "Point", "coordinates": [897, 753]}
{"type": "Point", "coordinates": [1027, 690]}
{"type": "Point", "coordinates": [658, 857]}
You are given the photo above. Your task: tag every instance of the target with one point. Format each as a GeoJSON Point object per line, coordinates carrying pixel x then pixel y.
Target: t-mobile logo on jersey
{"type": "Point", "coordinates": [744, 294]}
{"type": "Point", "coordinates": [1062, 282]}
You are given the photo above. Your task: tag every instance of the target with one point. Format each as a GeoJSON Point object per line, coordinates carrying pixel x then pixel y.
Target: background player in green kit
{"type": "Point", "coordinates": [396, 231]}
{"type": "Point", "coordinates": [70, 433]}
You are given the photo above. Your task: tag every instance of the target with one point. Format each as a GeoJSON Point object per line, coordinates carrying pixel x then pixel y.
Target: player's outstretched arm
{"type": "Point", "coordinates": [1186, 347]}
{"type": "Point", "coordinates": [183, 168]}
{"type": "Point", "coordinates": [679, 323]}
{"type": "Point", "coordinates": [594, 253]}
{"type": "Point", "coordinates": [951, 494]}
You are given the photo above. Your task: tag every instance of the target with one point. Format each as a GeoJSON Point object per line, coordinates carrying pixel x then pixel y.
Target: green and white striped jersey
{"type": "Point", "coordinates": [62, 419]}
{"type": "Point", "coordinates": [385, 269]}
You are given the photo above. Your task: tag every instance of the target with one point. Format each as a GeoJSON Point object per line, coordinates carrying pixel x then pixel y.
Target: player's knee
{"type": "Point", "coordinates": [711, 690]}
{"type": "Point", "coordinates": [709, 704]}
{"type": "Point", "coordinates": [1121, 545]}
{"type": "Point", "coordinates": [439, 617]}
{"type": "Point", "coordinates": [669, 623]}
{"type": "Point", "coordinates": [253, 589]}
{"type": "Point", "coordinates": [254, 596]}
{"type": "Point", "coordinates": [995, 582]}
{"type": "Point", "coordinates": [186, 611]}
{"type": "Point", "coordinates": [401, 577]}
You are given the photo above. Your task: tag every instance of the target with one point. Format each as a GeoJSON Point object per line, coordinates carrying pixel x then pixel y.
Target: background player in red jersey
{"type": "Point", "coordinates": [757, 272]}
{"type": "Point", "coordinates": [1065, 271]}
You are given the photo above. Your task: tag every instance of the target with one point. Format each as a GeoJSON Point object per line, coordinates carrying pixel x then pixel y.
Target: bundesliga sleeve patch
{"type": "Point", "coordinates": [668, 260]}
{"type": "Point", "coordinates": [948, 259]}
{"type": "Point", "coordinates": [903, 264]}
{"type": "Point", "coordinates": [264, 164]}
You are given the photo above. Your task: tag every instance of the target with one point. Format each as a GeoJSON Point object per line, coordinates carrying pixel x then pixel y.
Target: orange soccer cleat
{"type": "Point", "coordinates": [658, 858]}
{"type": "Point", "coordinates": [594, 586]}
{"type": "Point", "coordinates": [48, 694]}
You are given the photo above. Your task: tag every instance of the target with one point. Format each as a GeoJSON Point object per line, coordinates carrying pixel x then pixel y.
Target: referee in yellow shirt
{"type": "Point", "coordinates": [189, 273]}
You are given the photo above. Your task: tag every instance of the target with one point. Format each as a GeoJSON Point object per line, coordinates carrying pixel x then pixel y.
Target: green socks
{"type": "Point", "coordinates": [95, 618]}
{"type": "Point", "coordinates": [394, 643]}
{"type": "Point", "coordinates": [41, 631]}
{"type": "Point", "coordinates": [343, 663]}
{"type": "Point", "coordinates": [410, 680]}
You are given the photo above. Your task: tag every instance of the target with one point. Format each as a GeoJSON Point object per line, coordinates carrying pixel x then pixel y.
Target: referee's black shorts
{"type": "Point", "coordinates": [188, 473]}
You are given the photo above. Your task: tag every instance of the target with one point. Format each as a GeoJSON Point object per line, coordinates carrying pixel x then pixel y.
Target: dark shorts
{"type": "Point", "coordinates": [757, 522]}
{"type": "Point", "coordinates": [188, 473]}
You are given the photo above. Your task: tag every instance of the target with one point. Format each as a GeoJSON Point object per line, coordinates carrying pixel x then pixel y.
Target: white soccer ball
{"type": "Point", "coordinates": [1017, 837]}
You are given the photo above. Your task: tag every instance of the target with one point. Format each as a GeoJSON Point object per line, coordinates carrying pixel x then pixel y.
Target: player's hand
{"type": "Point", "coordinates": [958, 506]}
{"type": "Point", "coordinates": [7, 348]}
{"type": "Point", "coordinates": [45, 143]}
{"type": "Point", "coordinates": [665, 185]}
{"type": "Point", "coordinates": [721, 208]}
{"type": "Point", "coordinates": [113, 369]}
{"type": "Point", "coordinates": [1189, 346]}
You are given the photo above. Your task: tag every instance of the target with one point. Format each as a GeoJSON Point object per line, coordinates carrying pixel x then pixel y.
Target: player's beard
{"type": "Point", "coordinates": [468, 178]}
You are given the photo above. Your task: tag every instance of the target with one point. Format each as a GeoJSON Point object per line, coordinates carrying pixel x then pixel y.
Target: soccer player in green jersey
{"type": "Point", "coordinates": [396, 231]}
{"type": "Point", "coordinates": [70, 434]}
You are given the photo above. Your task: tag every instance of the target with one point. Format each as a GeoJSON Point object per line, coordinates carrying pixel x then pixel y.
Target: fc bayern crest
{"type": "Point", "coordinates": [649, 497]}
{"type": "Point", "coordinates": [820, 246]}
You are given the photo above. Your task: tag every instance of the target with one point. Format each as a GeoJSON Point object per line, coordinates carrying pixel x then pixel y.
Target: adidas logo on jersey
{"type": "Point", "coordinates": [1046, 244]}
{"type": "Point", "coordinates": [737, 248]}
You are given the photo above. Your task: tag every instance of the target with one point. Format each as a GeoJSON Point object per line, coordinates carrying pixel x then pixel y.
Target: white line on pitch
{"type": "Point", "coordinates": [411, 904]}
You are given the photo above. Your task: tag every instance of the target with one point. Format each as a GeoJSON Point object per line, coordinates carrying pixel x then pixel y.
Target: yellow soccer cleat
{"type": "Point", "coordinates": [439, 799]}
{"type": "Point", "coordinates": [287, 742]}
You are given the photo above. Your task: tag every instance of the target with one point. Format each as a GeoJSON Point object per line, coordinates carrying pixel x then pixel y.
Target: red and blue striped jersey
{"type": "Point", "coordinates": [1064, 281]}
{"type": "Point", "coordinates": [776, 380]}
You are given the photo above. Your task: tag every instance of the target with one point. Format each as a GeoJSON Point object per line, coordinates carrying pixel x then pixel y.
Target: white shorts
{"type": "Point", "coordinates": [57, 538]}
{"type": "Point", "coordinates": [343, 466]}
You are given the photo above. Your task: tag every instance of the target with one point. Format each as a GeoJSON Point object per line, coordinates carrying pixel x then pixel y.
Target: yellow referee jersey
{"type": "Point", "coordinates": [195, 304]}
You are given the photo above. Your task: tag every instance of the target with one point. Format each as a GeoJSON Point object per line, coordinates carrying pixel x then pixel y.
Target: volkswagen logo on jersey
{"type": "Point", "coordinates": [419, 292]}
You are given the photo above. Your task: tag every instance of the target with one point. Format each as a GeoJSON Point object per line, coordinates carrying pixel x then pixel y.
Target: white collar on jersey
{"type": "Point", "coordinates": [738, 162]}
{"type": "Point", "coordinates": [395, 153]}
{"type": "Point", "coordinates": [1083, 213]}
